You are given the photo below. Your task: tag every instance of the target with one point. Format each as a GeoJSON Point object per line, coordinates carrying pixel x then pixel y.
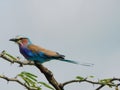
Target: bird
{"type": "Point", "coordinates": [39, 54]}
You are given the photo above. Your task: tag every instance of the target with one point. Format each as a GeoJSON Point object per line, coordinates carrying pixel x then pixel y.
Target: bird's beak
{"type": "Point", "coordinates": [14, 40]}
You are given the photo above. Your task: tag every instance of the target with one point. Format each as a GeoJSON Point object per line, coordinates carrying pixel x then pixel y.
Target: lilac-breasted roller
{"type": "Point", "coordinates": [39, 54]}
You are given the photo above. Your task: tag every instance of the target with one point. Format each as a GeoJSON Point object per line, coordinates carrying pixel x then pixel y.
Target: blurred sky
{"type": "Point", "coordinates": [83, 30]}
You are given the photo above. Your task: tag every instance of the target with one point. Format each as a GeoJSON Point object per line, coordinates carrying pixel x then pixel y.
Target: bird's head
{"type": "Point", "coordinates": [21, 40]}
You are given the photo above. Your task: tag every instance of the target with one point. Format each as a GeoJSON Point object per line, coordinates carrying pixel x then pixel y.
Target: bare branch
{"type": "Point", "coordinates": [101, 86]}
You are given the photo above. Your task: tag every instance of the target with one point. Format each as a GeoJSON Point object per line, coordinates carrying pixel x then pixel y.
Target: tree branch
{"type": "Point", "coordinates": [84, 80]}
{"type": "Point", "coordinates": [12, 59]}
{"type": "Point", "coordinates": [110, 83]}
{"type": "Point", "coordinates": [49, 76]}
{"type": "Point", "coordinates": [16, 80]}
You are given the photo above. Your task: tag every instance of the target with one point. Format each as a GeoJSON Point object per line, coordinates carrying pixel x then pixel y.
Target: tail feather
{"type": "Point", "coordinates": [87, 64]}
{"type": "Point", "coordinates": [74, 62]}
{"type": "Point", "coordinates": [70, 61]}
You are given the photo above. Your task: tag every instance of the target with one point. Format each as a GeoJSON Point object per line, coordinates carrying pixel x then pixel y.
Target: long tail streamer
{"type": "Point", "coordinates": [74, 62]}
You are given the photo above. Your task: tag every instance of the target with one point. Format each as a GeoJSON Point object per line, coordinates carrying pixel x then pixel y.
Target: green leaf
{"type": "Point", "coordinates": [10, 56]}
{"type": "Point", "coordinates": [106, 82]}
{"type": "Point", "coordinates": [20, 75]}
{"type": "Point", "coordinates": [80, 78]}
{"type": "Point", "coordinates": [35, 88]}
{"type": "Point", "coordinates": [29, 80]}
{"type": "Point", "coordinates": [91, 76]}
{"type": "Point", "coordinates": [29, 74]}
{"type": "Point", "coordinates": [110, 85]}
{"type": "Point", "coordinates": [26, 81]}
{"type": "Point", "coordinates": [39, 88]}
{"type": "Point", "coordinates": [46, 85]}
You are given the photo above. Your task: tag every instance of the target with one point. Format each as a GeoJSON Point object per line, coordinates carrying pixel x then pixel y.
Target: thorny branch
{"type": "Point", "coordinates": [49, 76]}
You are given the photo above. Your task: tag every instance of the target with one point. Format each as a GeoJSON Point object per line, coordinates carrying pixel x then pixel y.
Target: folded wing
{"type": "Point", "coordinates": [48, 53]}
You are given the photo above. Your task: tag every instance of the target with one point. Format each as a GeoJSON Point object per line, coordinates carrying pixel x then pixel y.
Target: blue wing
{"type": "Point", "coordinates": [35, 53]}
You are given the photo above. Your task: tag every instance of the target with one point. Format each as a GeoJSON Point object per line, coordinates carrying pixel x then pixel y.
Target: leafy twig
{"type": "Point", "coordinates": [48, 74]}
{"type": "Point", "coordinates": [15, 80]}
{"type": "Point", "coordinates": [13, 59]}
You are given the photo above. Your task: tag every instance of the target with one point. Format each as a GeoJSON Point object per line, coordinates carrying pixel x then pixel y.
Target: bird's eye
{"type": "Point", "coordinates": [22, 38]}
